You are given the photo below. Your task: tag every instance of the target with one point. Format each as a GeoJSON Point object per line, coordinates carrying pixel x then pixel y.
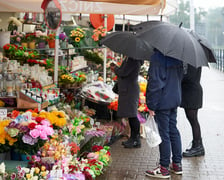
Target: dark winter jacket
{"type": "Point", "coordinates": [164, 82]}
{"type": "Point", "coordinates": [192, 93]}
{"type": "Point", "coordinates": [128, 88]}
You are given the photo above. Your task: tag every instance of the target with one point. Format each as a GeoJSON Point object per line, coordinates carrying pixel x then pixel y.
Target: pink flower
{"type": "Point", "coordinates": [43, 136]}
{"type": "Point", "coordinates": [45, 122]}
{"type": "Point", "coordinates": [35, 133]}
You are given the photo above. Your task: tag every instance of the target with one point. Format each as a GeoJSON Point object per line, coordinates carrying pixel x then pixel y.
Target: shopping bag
{"type": "Point", "coordinates": [152, 133]}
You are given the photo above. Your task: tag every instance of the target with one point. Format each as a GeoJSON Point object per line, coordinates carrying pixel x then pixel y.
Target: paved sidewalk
{"type": "Point", "coordinates": [131, 163]}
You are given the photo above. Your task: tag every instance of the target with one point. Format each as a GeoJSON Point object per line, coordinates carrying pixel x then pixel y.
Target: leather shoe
{"type": "Point", "coordinates": [194, 152]}
{"type": "Point", "coordinates": [133, 143]}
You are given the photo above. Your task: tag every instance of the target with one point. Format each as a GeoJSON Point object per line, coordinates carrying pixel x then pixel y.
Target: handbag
{"type": "Point", "coordinates": [153, 138]}
{"type": "Point", "coordinates": [115, 88]}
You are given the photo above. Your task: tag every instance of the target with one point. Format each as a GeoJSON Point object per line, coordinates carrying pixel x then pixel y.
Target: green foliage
{"type": "Point", "coordinates": [92, 56]}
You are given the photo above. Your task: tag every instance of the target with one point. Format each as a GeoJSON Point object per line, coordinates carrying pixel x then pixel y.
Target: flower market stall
{"type": "Point", "coordinates": [48, 130]}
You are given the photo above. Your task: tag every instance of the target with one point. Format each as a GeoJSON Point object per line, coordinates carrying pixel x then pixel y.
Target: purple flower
{"type": "Point", "coordinates": [28, 139]}
{"type": "Point", "coordinates": [62, 36]}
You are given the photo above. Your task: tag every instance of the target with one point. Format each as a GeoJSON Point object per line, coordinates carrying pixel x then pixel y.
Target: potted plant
{"type": "Point", "coordinates": [51, 40]}
{"type": "Point", "coordinates": [24, 41]}
{"type": "Point", "coordinates": [31, 40]}
{"type": "Point", "coordinates": [41, 39]}
{"type": "Point", "coordinates": [63, 40]}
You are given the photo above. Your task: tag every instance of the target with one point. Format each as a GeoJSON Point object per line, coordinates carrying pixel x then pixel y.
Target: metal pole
{"type": "Point", "coordinates": [56, 57]}
{"type": "Point", "coordinates": [105, 53]}
{"type": "Point", "coordinates": [192, 23]}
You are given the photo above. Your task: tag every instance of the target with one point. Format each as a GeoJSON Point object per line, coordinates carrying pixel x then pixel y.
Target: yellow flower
{"type": "Point", "coordinates": [28, 176]}
{"type": "Point", "coordinates": [44, 173]}
{"type": "Point", "coordinates": [77, 39]}
{"type": "Point", "coordinates": [37, 170]}
{"type": "Point", "coordinates": [43, 168]}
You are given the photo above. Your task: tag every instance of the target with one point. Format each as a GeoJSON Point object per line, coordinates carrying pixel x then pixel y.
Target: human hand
{"type": "Point", "coordinates": [151, 112]}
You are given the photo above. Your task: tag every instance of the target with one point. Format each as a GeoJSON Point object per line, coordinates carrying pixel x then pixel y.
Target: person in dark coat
{"type": "Point", "coordinates": [163, 96]}
{"type": "Point", "coordinates": [128, 99]}
{"type": "Point", "coordinates": [192, 95]}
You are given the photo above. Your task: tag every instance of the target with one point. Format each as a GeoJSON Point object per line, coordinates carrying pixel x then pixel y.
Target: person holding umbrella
{"type": "Point", "coordinates": [163, 96]}
{"type": "Point", "coordinates": [192, 101]}
{"type": "Point", "coordinates": [128, 91]}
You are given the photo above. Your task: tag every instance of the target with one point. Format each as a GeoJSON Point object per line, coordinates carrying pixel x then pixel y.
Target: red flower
{"type": "Point", "coordinates": [108, 153]}
{"type": "Point", "coordinates": [32, 125]}
{"type": "Point", "coordinates": [15, 114]}
{"type": "Point", "coordinates": [39, 119]}
{"type": "Point", "coordinates": [96, 148]}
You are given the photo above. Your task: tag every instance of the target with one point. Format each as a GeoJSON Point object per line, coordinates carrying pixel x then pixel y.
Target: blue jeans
{"type": "Point", "coordinates": [171, 140]}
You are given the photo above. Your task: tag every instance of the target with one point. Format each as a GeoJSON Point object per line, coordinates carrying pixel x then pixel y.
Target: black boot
{"type": "Point", "coordinates": [127, 141]}
{"type": "Point", "coordinates": [197, 149]}
{"type": "Point", "coordinates": [133, 142]}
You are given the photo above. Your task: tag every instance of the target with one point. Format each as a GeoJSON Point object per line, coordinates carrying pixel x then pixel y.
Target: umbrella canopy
{"type": "Point", "coordinates": [173, 41]}
{"type": "Point", "coordinates": [202, 40]}
{"type": "Point", "coordinates": [127, 43]}
{"type": "Point", "coordinates": [206, 46]}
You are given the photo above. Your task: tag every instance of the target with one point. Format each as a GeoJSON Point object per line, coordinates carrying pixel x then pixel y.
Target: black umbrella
{"type": "Point", "coordinates": [127, 43]}
{"type": "Point", "coordinates": [173, 41]}
{"type": "Point", "coordinates": [206, 46]}
{"type": "Point", "coordinates": [176, 42]}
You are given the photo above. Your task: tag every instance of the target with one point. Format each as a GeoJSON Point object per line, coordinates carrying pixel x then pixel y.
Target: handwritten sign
{"type": "Point", "coordinates": [3, 113]}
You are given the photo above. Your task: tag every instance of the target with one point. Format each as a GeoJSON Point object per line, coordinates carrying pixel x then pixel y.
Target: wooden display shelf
{"type": "Point", "coordinates": [25, 102]}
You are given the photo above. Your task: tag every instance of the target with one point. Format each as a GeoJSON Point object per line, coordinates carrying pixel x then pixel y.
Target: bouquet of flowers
{"type": "Point", "coordinates": [31, 132]}
{"type": "Point", "coordinates": [6, 141]}
{"type": "Point", "coordinates": [77, 35]}
{"type": "Point", "coordinates": [98, 33]}
{"type": "Point", "coordinates": [66, 79]}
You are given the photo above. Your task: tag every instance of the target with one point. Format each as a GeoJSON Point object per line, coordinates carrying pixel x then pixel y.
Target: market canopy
{"type": "Point", "coordinates": [119, 7]}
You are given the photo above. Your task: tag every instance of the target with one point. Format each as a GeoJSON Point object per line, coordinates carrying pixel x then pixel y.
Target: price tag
{"type": "Point", "coordinates": [98, 124]}
{"type": "Point", "coordinates": [3, 113]}
{"type": "Point", "coordinates": [91, 122]}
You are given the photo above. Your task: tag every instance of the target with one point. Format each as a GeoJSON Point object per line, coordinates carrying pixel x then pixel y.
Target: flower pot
{"type": "Point", "coordinates": [24, 44]}
{"type": "Point", "coordinates": [51, 43]}
{"type": "Point", "coordinates": [63, 44]}
{"type": "Point", "coordinates": [41, 45]}
{"type": "Point", "coordinates": [32, 45]}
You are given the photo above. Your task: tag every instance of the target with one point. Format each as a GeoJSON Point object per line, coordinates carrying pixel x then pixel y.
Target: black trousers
{"type": "Point", "coordinates": [135, 127]}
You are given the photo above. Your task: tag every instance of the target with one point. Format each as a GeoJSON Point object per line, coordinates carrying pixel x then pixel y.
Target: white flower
{"type": "Point", "coordinates": [2, 168]}
{"type": "Point", "coordinates": [27, 170]}
{"type": "Point", "coordinates": [34, 178]}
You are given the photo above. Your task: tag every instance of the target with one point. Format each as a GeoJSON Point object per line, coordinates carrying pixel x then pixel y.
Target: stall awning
{"type": "Point", "coordinates": [128, 7]}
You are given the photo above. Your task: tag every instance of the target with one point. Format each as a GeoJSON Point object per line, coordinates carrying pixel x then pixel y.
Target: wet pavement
{"type": "Point", "coordinates": [128, 164]}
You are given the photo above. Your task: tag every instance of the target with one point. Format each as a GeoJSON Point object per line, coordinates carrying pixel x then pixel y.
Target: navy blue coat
{"type": "Point", "coordinates": [164, 82]}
